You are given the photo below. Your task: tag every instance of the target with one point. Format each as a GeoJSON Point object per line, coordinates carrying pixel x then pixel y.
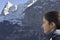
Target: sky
{"type": "Point", "coordinates": [3, 3]}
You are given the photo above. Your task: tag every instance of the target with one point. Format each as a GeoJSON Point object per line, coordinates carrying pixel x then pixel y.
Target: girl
{"type": "Point", "coordinates": [51, 25]}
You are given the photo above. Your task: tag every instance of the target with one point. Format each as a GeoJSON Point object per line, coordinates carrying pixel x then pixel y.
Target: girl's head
{"type": "Point", "coordinates": [51, 21]}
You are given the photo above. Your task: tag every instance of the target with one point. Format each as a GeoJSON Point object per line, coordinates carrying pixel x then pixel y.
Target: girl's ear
{"type": "Point", "coordinates": [52, 25]}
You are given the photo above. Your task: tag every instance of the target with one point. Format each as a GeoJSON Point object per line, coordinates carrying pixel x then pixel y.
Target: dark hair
{"type": "Point", "coordinates": [53, 16]}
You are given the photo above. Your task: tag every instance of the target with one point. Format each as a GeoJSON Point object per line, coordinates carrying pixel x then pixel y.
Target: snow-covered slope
{"type": "Point", "coordinates": [6, 8]}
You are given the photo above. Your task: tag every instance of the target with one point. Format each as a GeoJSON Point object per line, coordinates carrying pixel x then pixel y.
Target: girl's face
{"type": "Point", "coordinates": [48, 27]}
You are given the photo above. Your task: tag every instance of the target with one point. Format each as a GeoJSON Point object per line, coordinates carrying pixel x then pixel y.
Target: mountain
{"type": "Point", "coordinates": [10, 7]}
{"type": "Point", "coordinates": [18, 15]}
{"type": "Point", "coordinates": [14, 12]}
